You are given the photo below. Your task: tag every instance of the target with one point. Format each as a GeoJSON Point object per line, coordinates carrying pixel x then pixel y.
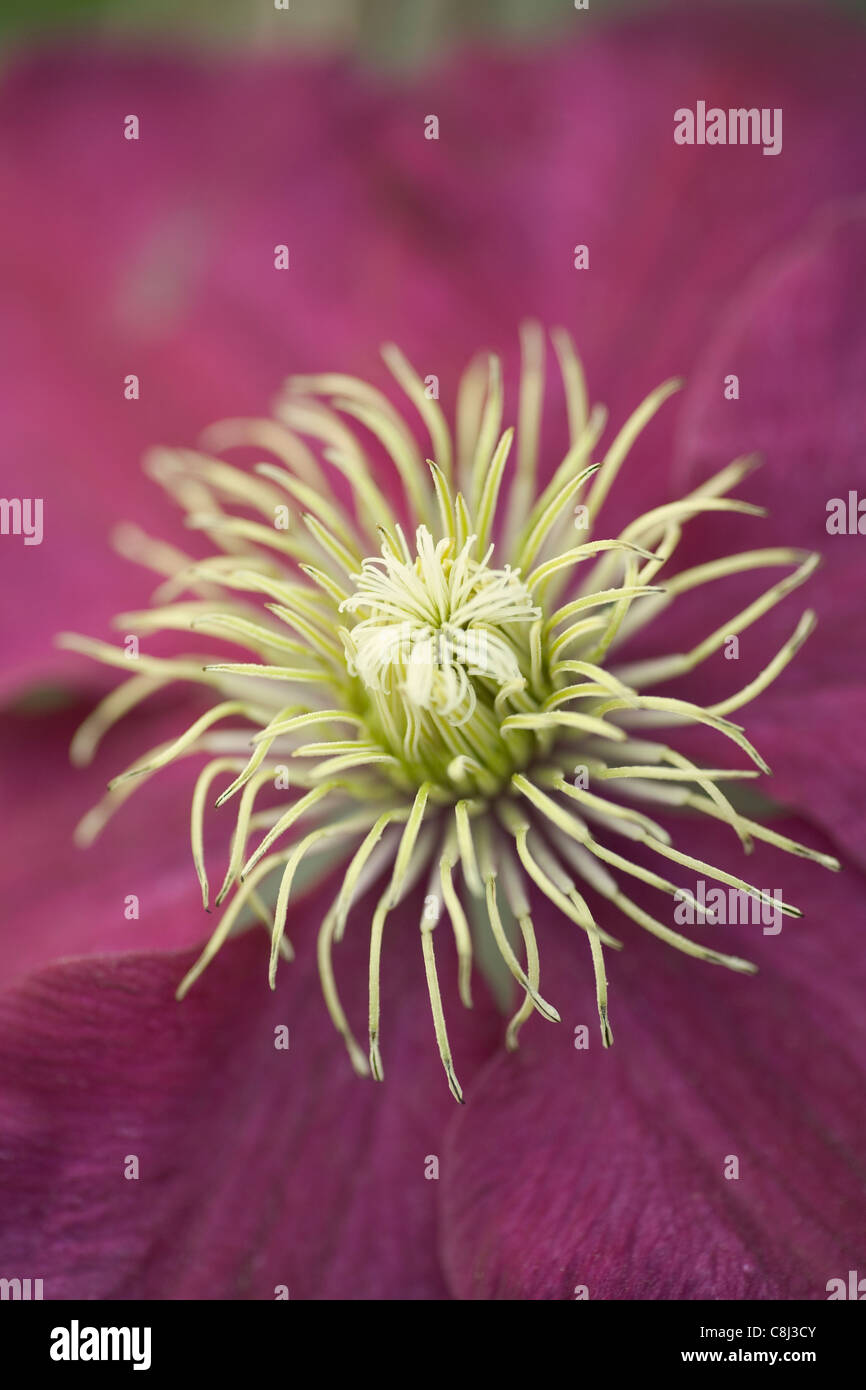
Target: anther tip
{"type": "Point", "coordinates": [455, 1087]}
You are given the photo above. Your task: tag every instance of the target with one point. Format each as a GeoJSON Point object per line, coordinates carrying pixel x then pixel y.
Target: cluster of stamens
{"type": "Point", "coordinates": [420, 694]}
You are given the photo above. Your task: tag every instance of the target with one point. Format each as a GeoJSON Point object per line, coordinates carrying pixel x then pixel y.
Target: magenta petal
{"type": "Point", "coordinates": [797, 342]}
{"type": "Point", "coordinates": [606, 1170]}
{"type": "Point", "coordinates": [581, 151]}
{"type": "Point", "coordinates": [156, 258]}
{"type": "Point", "coordinates": [258, 1167]}
{"type": "Point", "coordinates": [60, 900]}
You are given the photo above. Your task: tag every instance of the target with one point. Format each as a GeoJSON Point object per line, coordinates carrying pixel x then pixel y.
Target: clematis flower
{"type": "Point", "coordinates": [242, 1186]}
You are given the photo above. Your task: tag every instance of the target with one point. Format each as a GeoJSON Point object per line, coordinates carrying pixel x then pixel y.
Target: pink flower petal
{"type": "Point", "coordinates": [258, 1167]}
{"type": "Point", "coordinates": [156, 258]}
{"type": "Point", "coordinates": [797, 342]}
{"type": "Point", "coordinates": [582, 152]}
{"type": "Point", "coordinates": [606, 1171]}
{"type": "Point", "coordinates": [61, 900]}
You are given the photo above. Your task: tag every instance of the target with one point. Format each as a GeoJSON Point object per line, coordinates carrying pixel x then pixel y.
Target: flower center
{"type": "Point", "coordinates": [496, 741]}
{"type": "Point", "coordinates": [441, 637]}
